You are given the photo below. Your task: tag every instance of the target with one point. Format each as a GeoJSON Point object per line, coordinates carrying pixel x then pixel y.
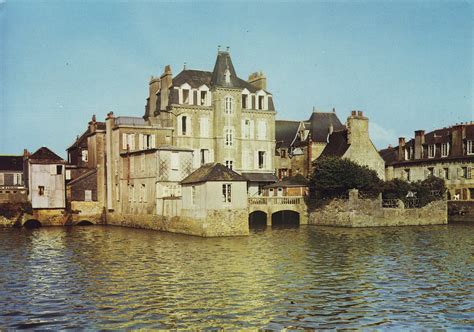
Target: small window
{"type": "Point", "coordinates": [229, 137]}
{"type": "Point", "coordinates": [59, 169]}
{"type": "Point", "coordinates": [444, 149]}
{"type": "Point", "coordinates": [470, 147]}
{"type": "Point", "coordinates": [430, 171]}
{"type": "Point", "coordinates": [68, 174]}
{"type": "Point", "coordinates": [245, 99]}
{"type": "Point", "coordinates": [229, 105]}
{"type": "Point", "coordinates": [407, 174]}
{"type": "Point", "coordinates": [261, 102]}
{"type": "Point", "coordinates": [204, 156]}
{"type": "Point", "coordinates": [184, 120]}
{"type": "Point", "coordinates": [229, 164]}
{"type": "Point", "coordinates": [227, 193]}
{"type": "Point", "coordinates": [466, 172]}
{"type": "Point", "coordinates": [431, 151]}
{"type": "Point", "coordinates": [185, 96]}
{"type": "Point", "coordinates": [446, 173]}
{"type": "Point", "coordinates": [41, 190]}
{"type": "Point", "coordinates": [87, 195]}
{"type": "Point", "coordinates": [203, 98]}
{"type": "Point", "coordinates": [261, 159]}
{"type": "Point", "coordinates": [283, 153]}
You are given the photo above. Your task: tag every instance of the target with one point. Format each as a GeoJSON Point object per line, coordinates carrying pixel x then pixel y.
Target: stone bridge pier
{"type": "Point", "coordinates": [272, 205]}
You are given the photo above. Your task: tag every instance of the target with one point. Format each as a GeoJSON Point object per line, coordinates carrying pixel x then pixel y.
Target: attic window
{"type": "Point", "coordinates": [444, 149]}
{"type": "Point", "coordinates": [59, 169]}
{"type": "Point", "coordinates": [431, 151]}
{"type": "Point", "coordinates": [227, 75]}
{"type": "Point", "coordinates": [203, 97]}
{"type": "Point", "coordinates": [260, 102]}
{"type": "Point", "coordinates": [245, 101]}
{"type": "Point", "coordinates": [185, 96]}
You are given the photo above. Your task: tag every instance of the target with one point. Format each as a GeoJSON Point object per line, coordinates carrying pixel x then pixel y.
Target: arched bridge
{"type": "Point", "coordinates": [275, 206]}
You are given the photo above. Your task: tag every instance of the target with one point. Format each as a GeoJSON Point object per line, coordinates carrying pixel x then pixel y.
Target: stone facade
{"type": "Point", "coordinates": [356, 212]}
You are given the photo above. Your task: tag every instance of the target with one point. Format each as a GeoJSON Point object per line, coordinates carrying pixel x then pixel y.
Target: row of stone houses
{"type": "Point", "coordinates": [447, 153]}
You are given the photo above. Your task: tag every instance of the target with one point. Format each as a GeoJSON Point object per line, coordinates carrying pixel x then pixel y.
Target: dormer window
{"type": "Point", "coordinates": [444, 149]}
{"type": "Point", "coordinates": [245, 99]}
{"type": "Point", "coordinates": [431, 151]}
{"type": "Point", "coordinates": [185, 96]}
{"type": "Point", "coordinates": [470, 147]}
{"type": "Point", "coordinates": [261, 102]}
{"type": "Point", "coordinates": [203, 97]}
{"type": "Point", "coordinates": [227, 75]}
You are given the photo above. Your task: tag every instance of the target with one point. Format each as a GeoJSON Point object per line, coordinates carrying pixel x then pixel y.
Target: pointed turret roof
{"type": "Point", "coordinates": [222, 68]}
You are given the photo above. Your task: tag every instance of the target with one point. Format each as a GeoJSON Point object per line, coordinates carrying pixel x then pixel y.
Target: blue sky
{"type": "Point", "coordinates": [407, 65]}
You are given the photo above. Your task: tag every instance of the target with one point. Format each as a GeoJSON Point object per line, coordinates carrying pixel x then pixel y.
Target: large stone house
{"type": "Point", "coordinates": [219, 116]}
{"type": "Point", "coordinates": [447, 153]}
{"type": "Point", "coordinates": [299, 143]}
{"type": "Point", "coordinates": [353, 142]}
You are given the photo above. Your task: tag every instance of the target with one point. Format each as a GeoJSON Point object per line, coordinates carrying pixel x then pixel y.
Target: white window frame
{"type": "Point", "coordinates": [264, 159]}
{"type": "Point", "coordinates": [85, 155]}
{"type": "Point", "coordinates": [444, 149]}
{"type": "Point", "coordinates": [228, 136]}
{"type": "Point", "coordinates": [87, 195]}
{"type": "Point", "coordinates": [470, 147]}
{"type": "Point", "coordinates": [174, 161]}
{"type": "Point", "coordinates": [229, 164]}
{"type": "Point", "coordinates": [227, 193]}
{"type": "Point", "coordinates": [431, 151]}
{"type": "Point", "coordinates": [228, 105]}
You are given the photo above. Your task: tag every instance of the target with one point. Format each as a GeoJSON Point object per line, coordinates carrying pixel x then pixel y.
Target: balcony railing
{"type": "Point", "coordinates": [265, 200]}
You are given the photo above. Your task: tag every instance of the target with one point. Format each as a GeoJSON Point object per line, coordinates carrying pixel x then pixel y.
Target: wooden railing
{"type": "Point", "coordinates": [265, 200]}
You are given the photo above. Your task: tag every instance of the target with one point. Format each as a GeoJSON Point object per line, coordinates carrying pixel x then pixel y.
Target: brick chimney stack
{"type": "Point", "coordinates": [258, 80]}
{"type": "Point", "coordinates": [401, 148]}
{"type": "Point", "coordinates": [166, 80]}
{"type": "Point", "coordinates": [419, 141]}
{"type": "Point", "coordinates": [458, 133]}
{"type": "Point", "coordinates": [310, 155]}
{"type": "Point", "coordinates": [153, 88]}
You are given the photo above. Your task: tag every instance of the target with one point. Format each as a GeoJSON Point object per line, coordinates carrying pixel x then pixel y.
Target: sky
{"type": "Point", "coordinates": [407, 65]}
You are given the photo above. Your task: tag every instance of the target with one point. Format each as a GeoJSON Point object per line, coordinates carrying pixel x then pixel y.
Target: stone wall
{"type": "Point", "coordinates": [90, 211]}
{"type": "Point", "coordinates": [356, 212]}
{"type": "Point", "coordinates": [461, 211]}
{"type": "Point", "coordinates": [217, 223]}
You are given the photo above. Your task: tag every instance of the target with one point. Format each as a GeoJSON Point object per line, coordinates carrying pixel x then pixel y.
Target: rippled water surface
{"type": "Point", "coordinates": [109, 277]}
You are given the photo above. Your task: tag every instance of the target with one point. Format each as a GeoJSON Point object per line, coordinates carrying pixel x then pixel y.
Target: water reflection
{"type": "Point", "coordinates": [304, 277]}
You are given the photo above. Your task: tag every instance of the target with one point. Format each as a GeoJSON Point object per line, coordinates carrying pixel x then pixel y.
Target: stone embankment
{"type": "Point", "coordinates": [359, 212]}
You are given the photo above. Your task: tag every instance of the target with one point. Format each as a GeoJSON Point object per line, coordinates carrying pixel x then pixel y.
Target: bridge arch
{"type": "Point", "coordinates": [32, 223]}
{"type": "Point", "coordinates": [258, 219]}
{"type": "Point", "coordinates": [286, 218]}
{"type": "Point", "coordinates": [85, 223]}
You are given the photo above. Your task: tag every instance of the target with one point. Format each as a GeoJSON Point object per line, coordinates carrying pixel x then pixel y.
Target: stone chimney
{"type": "Point", "coordinates": [419, 141]}
{"type": "Point", "coordinates": [458, 133]}
{"type": "Point", "coordinates": [357, 128]}
{"type": "Point", "coordinates": [401, 148]}
{"type": "Point", "coordinates": [166, 80]}
{"type": "Point", "coordinates": [153, 88]}
{"type": "Point", "coordinates": [26, 153]}
{"type": "Point", "coordinates": [310, 155]}
{"type": "Point", "coordinates": [258, 80]}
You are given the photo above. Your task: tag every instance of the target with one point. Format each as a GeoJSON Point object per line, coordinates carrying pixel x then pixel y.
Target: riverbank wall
{"type": "Point", "coordinates": [461, 211]}
{"type": "Point", "coordinates": [360, 212]}
{"type": "Point", "coordinates": [213, 224]}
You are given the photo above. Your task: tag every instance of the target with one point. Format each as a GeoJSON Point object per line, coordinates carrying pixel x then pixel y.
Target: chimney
{"type": "Point", "coordinates": [153, 88]}
{"type": "Point", "coordinates": [310, 155]}
{"type": "Point", "coordinates": [166, 80]}
{"type": "Point", "coordinates": [357, 128]}
{"type": "Point", "coordinates": [401, 148]}
{"type": "Point", "coordinates": [458, 133]}
{"type": "Point", "coordinates": [26, 154]}
{"type": "Point", "coordinates": [258, 80]}
{"type": "Point", "coordinates": [334, 110]}
{"type": "Point", "coordinates": [419, 141]}
{"type": "Point", "coordinates": [92, 124]}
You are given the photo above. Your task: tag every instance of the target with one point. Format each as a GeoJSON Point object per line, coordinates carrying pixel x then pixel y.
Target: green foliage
{"type": "Point", "coordinates": [10, 210]}
{"type": "Point", "coordinates": [425, 191]}
{"type": "Point", "coordinates": [396, 188]}
{"type": "Point", "coordinates": [333, 177]}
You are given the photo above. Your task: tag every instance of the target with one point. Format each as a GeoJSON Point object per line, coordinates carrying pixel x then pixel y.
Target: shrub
{"type": "Point", "coordinates": [333, 177]}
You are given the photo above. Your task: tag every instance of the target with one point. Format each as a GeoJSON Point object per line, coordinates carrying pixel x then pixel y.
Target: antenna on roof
{"type": "Point", "coordinates": [184, 66]}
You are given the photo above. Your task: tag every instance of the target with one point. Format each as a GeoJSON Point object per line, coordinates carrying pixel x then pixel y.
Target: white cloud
{"type": "Point", "coordinates": [381, 136]}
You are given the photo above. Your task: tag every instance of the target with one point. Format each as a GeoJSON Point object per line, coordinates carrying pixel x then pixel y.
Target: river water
{"type": "Point", "coordinates": [308, 277]}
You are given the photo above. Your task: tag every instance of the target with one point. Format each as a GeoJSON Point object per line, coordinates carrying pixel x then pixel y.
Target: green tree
{"type": "Point", "coordinates": [333, 176]}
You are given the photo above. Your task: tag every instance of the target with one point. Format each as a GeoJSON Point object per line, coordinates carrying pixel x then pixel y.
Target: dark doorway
{"type": "Point", "coordinates": [32, 223]}
{"type": "Point", "coordinates": [258, 220]}
{"type": "Point", "coordinates": [84, 223]}
{"type": "Point", "coordinates": [285, 219]}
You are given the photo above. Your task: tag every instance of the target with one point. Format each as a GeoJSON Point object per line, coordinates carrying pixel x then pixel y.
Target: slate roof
{"type": "Point", "coordinates": [337, 145]}
{"type": "Point", "coordinates": [293, 181]}
{"type": "Point", "coordinates": [285, 132]}
{"type": "Point", "coordinates": [45, 156]}
{"type": "Point", "coordinates": [389, 155]}
{"type": "Point", "coordinates": [260, 177]}
{"type": "Point", "coordinates": [11, 163]}
{"type": "Point", "coordinates": [81, 140]}
{"type": "Point", "coordinates": [130, 121]}
{"type": "Point", "coordinates": [212, 172]}
{"type": "Point", "coordinates": [319, 123]}
{"type": "Point", "coordinates": [195, 78]}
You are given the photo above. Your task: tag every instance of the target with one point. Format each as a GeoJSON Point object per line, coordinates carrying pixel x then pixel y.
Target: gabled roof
{"type": "Point", "coordinates": [11, 163]}
{"type": "Point", "coordinates": [337, 145]}
{"type": "Point", "coordinates": [285, 132]}
{"type": "Point", "coordinates": [45, 156]}
{"type": "Point", "coordinates": [319, 124]}
{"type": "Point", "coordinates": [212, 172]}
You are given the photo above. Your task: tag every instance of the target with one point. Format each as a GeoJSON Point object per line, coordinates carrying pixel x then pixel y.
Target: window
{"type": "Point", "coordinates": [470, 147]}
{"type": "Point", "coordinates": [117, 192]}
{"type": "Point", "coordinates": [148, 142]}
{"type": "Point", "coordinates": [261, 102]}
{"type": "Point", "coordinates": [204, 126]}
{"type": "Point", "coordinates": [227, 193]}
{"type": "Point", "coordinates": [430, 171]}
{"type": "Point", "coordinates": [193, 195]}
{"type": "Point", "coordinates": [203, 98]}
{"type": "Point", "coordinates": [444, 149]}
{"type": "Point", "coordinates": [261, 159]}
{"type": "Point", "coordinates": [174, 161]}
{"type": "Point", "coordinates": [246, 128]}
{"type": "Point", "coordinates": [407, 174]}
{"type": "Point", "coordinates": [229, 164]}
{"type": "Point", "coordinates": [131, 141]}
{"type": "Point", "coordinates": [68, 174]}
{"type": "Point", "coordinates": [17, 179]}
{"type": "Point", "coordinates": [407, 155]}
{"type": "Point", "coordinates": [41, 190]}
{"type": "Point", "coordinates": [229, 137]}
{"type": "Point", "coordinates": [85, 155]}
{"type": "Point", "coordinates": [262, 129]}
{"type": "Point", "coordinates": [431, 151]}
{"type": "Point", "coordinates": [204, 156]}
{"type": "Point", "coordinates": [446, 173]}
{"type": "Point", "coordinates": [143, 193]}
{"type": "Point", "coordinates": [185, 96]}
{"type": "Point", "coordinates": [184, 120]}
{"type": "Point", "coordinates": [466, 172]}
{"type": "Point", "coordinates": [245, 100]}
{"type": "Point", "coordinates": [87, 195]}
{"type": "Point", "coordinates": [283, 153]}
{"type": "Point", "coordinates": [59, 169]}
{"type": "Point", "coordinates": [229, 105]}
